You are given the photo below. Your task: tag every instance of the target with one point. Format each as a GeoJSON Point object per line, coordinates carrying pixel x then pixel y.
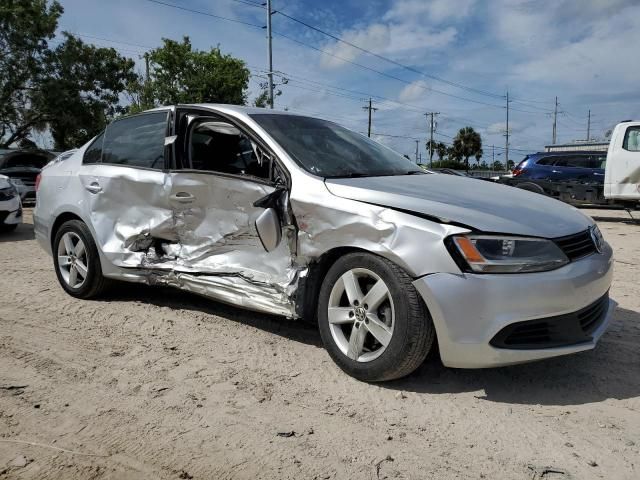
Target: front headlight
{"type": "Point", "coordinates": [8, 193]}
{"type": "Point", "coordinates": [504, 254]}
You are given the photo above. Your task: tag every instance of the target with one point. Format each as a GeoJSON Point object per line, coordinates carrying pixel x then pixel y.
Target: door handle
{"type": "Point", "coordinates": [94, 187]}
{"type": "Point", "coordinates": [182, 197]}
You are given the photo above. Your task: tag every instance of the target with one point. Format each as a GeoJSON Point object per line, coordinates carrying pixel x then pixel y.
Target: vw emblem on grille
{"type": "Point", "coordinates": [597, 239]}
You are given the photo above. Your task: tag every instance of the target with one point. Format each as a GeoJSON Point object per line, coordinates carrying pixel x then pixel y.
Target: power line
{"type": "Point", "coordinates": [428, 89]}
{"type": "Point", "coordinates": [386, 59]}
{"type": "Point", "coordinates": [384, 74]}
{"type": "Point", "coordinates": [200, 12]}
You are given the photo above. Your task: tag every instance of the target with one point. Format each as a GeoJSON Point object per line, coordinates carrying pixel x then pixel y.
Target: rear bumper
{"type": "Point", "coordinates": [469, 310]}
{"type": "Point", "coordinates": [41, 228]}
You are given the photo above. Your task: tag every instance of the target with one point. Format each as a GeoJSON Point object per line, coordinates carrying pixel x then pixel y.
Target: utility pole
{"type": "Point", "coordinates": [371, 109]}
{"type": "Point", "coordinates": [493, 154]}
{"type": "Point", "coordinates": [589, 126]}
{"type": "Point", "coordinates": [432, 128]}
{"type": "Point", "coordinates": [555, 120]}
{"type": "Point", "coordinates": [270, 74]}
{"type": "Point", "coordinates": [145, 100]}
{"type": "Point", "coordinates": [506, 134]}
{"type": "Point", "coordinates": [417, 146]}
{"type": "Point", "coordinates": [146, 65]}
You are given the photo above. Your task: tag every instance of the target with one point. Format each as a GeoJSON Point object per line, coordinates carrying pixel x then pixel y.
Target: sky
{"type": "Point", "coordinates": [455, 57]}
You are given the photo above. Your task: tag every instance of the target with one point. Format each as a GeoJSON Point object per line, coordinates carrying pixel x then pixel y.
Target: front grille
{"type": "Point", "coordinates": [559, 331]}
{"type": "Point", "coordinates": [576, 246]}
{"type": "Point", "coordinates": [27, 179]}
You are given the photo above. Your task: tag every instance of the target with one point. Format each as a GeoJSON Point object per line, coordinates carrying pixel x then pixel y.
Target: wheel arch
{"type": "Point", "coordinates": [306, 300]}
{"type": "Point", "coordinates": [59, 221]}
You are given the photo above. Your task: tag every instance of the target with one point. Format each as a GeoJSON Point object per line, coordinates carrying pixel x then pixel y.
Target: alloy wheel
{"type": "Point", "coordinates": [361, 314]}
{"type": "Point", "coordinates": [72, 260]}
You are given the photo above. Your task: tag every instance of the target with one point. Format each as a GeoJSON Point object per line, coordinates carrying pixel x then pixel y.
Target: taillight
{"type": "Point", "coordinates": [38, 178]}
{"type": "Point", "coordinates": [517, 171]}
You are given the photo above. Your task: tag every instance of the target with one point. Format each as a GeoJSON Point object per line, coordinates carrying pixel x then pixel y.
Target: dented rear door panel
{"type": "Point", "coordinates": [130, 213]}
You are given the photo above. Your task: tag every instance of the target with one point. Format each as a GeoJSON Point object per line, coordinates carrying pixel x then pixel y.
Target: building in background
{"type": "Point", "coordinates": [578, 147]}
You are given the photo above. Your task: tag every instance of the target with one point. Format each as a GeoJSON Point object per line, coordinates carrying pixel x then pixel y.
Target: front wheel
{"type": "Point", "coordinates": [372, 320]}
{"type": "Point", "coordinates": [76, 261]}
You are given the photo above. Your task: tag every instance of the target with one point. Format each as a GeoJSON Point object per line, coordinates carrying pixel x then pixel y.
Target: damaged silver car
{"type": "Point", "coordinates": [299, 217]}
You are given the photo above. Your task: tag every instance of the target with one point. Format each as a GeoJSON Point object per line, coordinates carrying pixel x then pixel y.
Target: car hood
{"type": "Point", "coordinates": [484, 206]}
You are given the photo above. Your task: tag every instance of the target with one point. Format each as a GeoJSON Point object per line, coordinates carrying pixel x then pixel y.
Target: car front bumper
{"type": "Point", "coordinates": [469, 310]}
{"type": "Point", "coordinates": [11, 211]}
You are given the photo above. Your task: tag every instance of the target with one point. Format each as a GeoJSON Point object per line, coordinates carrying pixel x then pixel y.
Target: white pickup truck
{"type": "Point", "coordinates": [622, 172]}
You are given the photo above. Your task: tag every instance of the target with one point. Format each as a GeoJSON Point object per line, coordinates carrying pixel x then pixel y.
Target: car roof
{"type": "Point", "coordinates": [567, 153]}
{"type": "Point", "coordinates": [224, 107]}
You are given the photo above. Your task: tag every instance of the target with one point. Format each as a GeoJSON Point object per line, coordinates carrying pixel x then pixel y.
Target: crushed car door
{"type": "Point", "coordinates": [126, 191]}
{"type": "Point", "coordinates": [224, 181]}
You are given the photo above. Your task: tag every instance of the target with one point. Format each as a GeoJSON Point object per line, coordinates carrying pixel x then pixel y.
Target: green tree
{"type": "Point", "coordinates": [497, 165]}
{"type": "Point", "coordinates": [262, 100]}
{"type": "Point", "coordinates": [83, 88]}
{"type": "Point", "coordinates": [467, 143]}
{"type": "Point", "coordinates": [442, 150]}
{"type": "Point", "coordinates": [180, 74]}
{"type": "Point", "coordinates": [25, 28]}
{"type": "Point", "coordinates": [72, 90]}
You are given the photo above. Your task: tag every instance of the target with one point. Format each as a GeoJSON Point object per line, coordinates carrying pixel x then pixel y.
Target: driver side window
{"type": "Point", "coordinates": [218, 146]}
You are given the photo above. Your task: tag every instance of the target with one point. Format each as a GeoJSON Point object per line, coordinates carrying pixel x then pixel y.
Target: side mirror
{"type": "Point", "coordinates": [269, 230]}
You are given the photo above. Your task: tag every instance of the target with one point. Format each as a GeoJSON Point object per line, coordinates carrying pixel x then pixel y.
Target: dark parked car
{"type": "Point", "coordinates": [573, 177]}
{"type": "Point", "coordinates": [22, 167]}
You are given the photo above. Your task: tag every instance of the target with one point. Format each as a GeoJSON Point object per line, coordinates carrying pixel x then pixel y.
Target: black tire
{"type": "Point", "coordinates": [6, 228]}
{"type": "Point", "coordinates": [95, 283]}
{"type": "Point", "coordinates": [413, 332]}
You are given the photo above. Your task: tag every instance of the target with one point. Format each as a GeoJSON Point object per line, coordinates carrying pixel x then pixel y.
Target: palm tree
{"type": "Point", "coordinates": [467, 143]}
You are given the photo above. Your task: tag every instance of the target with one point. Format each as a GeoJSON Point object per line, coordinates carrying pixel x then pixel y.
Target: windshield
{"type": "Point", "coordinates": [328, 150]}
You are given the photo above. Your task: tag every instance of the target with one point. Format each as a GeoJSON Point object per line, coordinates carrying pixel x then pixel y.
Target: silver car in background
{"type": "Point", "coordinates": [299, 217]}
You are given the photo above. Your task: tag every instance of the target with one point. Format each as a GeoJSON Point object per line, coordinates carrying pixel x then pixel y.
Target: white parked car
{"type": "Point", "coordinates": [299, 217]}
{"type": "Point", "coordinates": [10, 205]}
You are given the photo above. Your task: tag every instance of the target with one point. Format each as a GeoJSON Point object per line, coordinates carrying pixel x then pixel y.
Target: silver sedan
{"type": "Point", "coordinates": [300, 217]}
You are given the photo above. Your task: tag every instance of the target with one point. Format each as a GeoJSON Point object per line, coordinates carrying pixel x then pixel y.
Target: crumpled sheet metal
{"type": "Point", "coordinates": [209, 246]}
{"type": "Point", "coordinates": [326, 222]}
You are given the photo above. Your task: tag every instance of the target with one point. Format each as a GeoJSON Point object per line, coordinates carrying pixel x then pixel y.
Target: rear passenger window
{"type": "Point", "coordinates": [94, 152]}
{"type": "Point", "coordinates": [546, 161]}
{"type": "Point", "coordinates": [632, 139]}
{"type": "Point", "coordinates": [578, 161]}
{"type": "Point", "coordinates": [136, 141]}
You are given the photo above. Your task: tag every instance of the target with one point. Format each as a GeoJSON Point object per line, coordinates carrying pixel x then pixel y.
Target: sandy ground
{"type": "Point", "coordinates": [156, 383]}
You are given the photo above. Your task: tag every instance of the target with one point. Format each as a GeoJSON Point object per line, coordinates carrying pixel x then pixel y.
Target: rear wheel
{"type": "Point", "coordinates": [76, 261]}
{"type": "Point", "coordinates": [372, 321]}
